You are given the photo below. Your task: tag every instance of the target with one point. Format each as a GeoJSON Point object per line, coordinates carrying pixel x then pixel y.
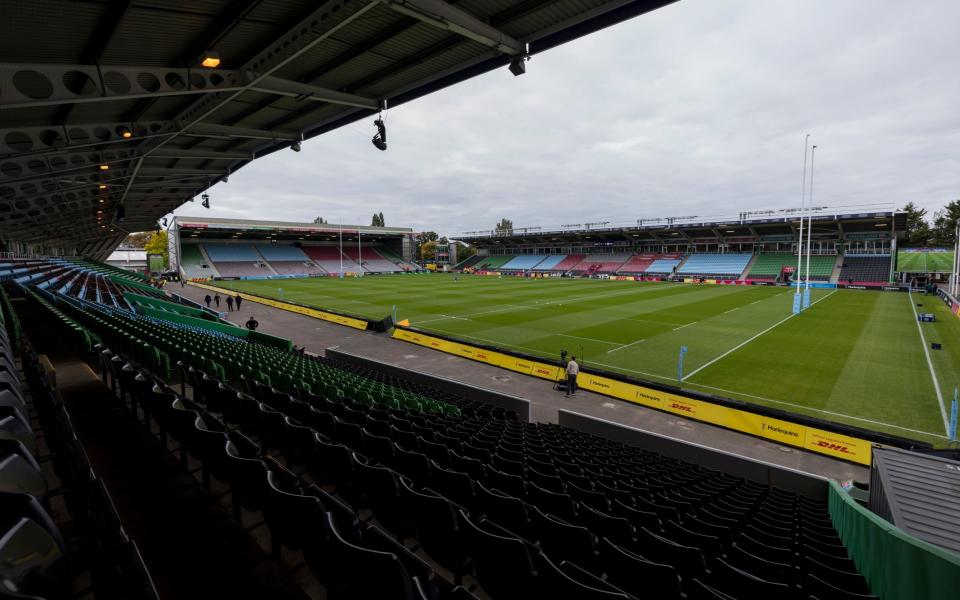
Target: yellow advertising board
{"type": "Point", "coordinates": [303, 310]}
{"type": "Point", "coordinates": [830, 443]}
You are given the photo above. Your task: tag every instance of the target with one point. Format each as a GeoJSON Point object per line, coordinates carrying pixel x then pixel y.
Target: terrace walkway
{"type": "Point", "coordinates": [316, 336]}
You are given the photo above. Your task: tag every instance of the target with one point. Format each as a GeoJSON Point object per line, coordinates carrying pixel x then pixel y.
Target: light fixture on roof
{"type": "Point", "coordinates": [518, 65]}
{"type": "Point", "coordinates": [104, 167]}
{"type": "Point", "coordinates": [205, 200]}
{"type": "Point", "coordinates": [295, 146]}
{"type": "Point", "coordinates": [380, 138]}
{"type": "Point", "coordinates": [210, 59]}
{"type": "Point", "coordinates": [102, 186]}
{"type": "Point", "coordinates": [124, 132]}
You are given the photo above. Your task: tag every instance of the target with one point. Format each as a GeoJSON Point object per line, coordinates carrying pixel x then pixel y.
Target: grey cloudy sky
{"type": "Point", "coordinates": [699, 108]}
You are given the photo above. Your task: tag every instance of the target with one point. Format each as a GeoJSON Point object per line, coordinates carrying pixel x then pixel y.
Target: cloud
{"type": "Point", "coordinates": [699, 108]}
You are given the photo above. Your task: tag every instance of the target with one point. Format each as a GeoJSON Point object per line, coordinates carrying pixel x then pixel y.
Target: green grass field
{"type": "Point", "coordinates": [855, 357]}
{"type": "Point", "coordinates": [924, 262]}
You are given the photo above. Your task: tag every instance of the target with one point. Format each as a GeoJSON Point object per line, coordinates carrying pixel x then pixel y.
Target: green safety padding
{"type": "Point", "coordinates": [897, 565]}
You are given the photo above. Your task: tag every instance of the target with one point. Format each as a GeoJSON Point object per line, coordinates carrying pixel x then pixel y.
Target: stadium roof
{"type": "Point", "coordinates": [104, 103]}
{"type": "Point", "coordinates": [746, 227]}
{"type": "Point", "coordinates": [219, 228]}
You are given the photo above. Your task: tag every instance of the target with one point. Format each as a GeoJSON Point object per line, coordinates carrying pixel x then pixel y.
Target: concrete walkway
{"type": "Point", "coordinates": [316, 336]}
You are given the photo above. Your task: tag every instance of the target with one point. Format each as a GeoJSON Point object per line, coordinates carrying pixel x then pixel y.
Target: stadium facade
{"type": "Point", "coordinates": [846, 248]}
{"type": "Point", "coordinates": [205, 248]}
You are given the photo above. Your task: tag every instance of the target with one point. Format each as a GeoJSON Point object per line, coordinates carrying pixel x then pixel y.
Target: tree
{"type": "Point", "coordinates": [377, 220]}
{"type": "Point", "coordinates": [918, 230]}
{"type": "Point", "coordinates": [419, 239]}
{"type": "Point", "coordinates": [945, 225]}
{"type": "Point", "coordinates": [157, 244]}
{"type": "Point", "coordinates": [319, 221]}
{"type": "Point", "coordinates": [382, 222]}
{"type": "Point", "coordinates": [137, 240]}
{"type": "Point", "coordinates": [428, 251]}
{"type": "Point", "coordinates": [504, 227]}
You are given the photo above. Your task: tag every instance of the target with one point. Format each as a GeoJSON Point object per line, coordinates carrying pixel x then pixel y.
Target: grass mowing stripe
{"type": "Point", "coordinates": [819, 410]}
{"type": "Point", "coordinates": [933, 374]}
{"type": "Point", "coordinates": [744, 343]}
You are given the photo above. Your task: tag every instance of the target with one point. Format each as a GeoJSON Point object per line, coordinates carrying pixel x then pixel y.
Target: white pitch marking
{"type": "Point", "coordinates": [685, 325]}
{"type": "Point", "coordinates": [933, 374]}
{"type": "Point", "coordinates": [731, 310]}
{"type": "Point", "coordinates": [640, 341]}
{"type": "Point", "coordinates": [744, 343]}
{"type": "Point", "coordinates": [580, 337]}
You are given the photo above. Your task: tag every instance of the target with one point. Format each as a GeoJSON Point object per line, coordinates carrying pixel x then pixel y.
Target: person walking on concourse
{"type": "Point", "coordinates": [573, 368]}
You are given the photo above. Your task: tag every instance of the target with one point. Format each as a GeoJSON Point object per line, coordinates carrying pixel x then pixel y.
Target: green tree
{"type": "Point", "coordinates": [157, 244]}
{"type": "Point", "coordinates": [382, 222]}
{"type": "Point", "coordinates": [918, 230]}
{"type": "Point", "coordinates": [504, 227]}
{"type": "Point", "coordinates": [138, 239]}
{"type": "Point", "coordinates": [428, 251]}
{"type": "Point", "coordinates": [945, 224]}
{"type": "Point", "coordinates": [377, 220]}
{"type": "Point", "coordinates": [319, 221]}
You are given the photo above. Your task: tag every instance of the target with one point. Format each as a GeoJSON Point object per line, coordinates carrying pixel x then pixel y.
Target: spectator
{"type": "Point", "coordinates": [252, 324]}
{"type": "Point", "coordinates": [238, 300]}
{"type": "Point", "coordinates": [230, 303]}
{"type": "Point", "coordinates": [216, 298]}
{"type": "Point", "coordinates": [207, 299]}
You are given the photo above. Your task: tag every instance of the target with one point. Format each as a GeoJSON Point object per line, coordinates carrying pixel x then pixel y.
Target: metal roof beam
{"type": "Point", "coordinates": [96, 88]}
{"type": "Point", "coordinates": [444, 16]}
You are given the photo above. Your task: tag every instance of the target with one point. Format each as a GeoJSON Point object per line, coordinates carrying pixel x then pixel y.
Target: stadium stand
{"type": "Point", "coordinates": [600, 263]}
{"type": "Point", "coordinates": [490, 263]}
{"type": "Point", "coordinates": [398, 260]}
{"type": "Point", "coordinates": [330, 259]}
{"type": "Point", "coordinates": [371, 259]}
{"type": "Point", "coordinates": [468, 262]}
{"type": "Point", "coordinates": [42, 550]}
{"type": "Point", "coordinates": [236, 260]}
{"type": "Point", "coordinates": [639, 263]}
{"type": "Point", "coordinates": [717, 265]}
{"type": "Point", "coordinates": [306, 443]}
{"type": "Point", "coordinates": [193, 264]}
{"type": "Point", "coordinates": [281, 253]}
{"type": "Point", "coordinates": [550, 263]}
{"type": "Point", "coordinates": [869, 270]}
{"type": "Point", "coordinates": [522, 263]}
{"type": "Point", "coordinates": [768, 267]}
{"type": "Point", "coordinates": [569, 262]}
{"type": "Point", "coordinates": [663, 266]}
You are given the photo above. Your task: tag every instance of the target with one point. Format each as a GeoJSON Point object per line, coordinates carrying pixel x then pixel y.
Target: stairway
{"type": "Point", "coordinates": [746, 271]}
{"type": "Point", "coordinates": [835, 277]}
{"type": "Point", "coordinates": [265, 261]}
{"type": "Point", "coordinates": [207, 261]}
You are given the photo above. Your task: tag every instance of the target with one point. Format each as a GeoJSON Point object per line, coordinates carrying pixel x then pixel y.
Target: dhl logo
{"type": "Point", "coordinates": [683, 407]}
{"type": "Point", "coordinates": [834, 447]}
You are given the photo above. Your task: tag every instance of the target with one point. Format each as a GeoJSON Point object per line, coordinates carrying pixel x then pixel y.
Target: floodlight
{"type": "Point", "coordinates": [380, 139]}
{"type": "Point", "coordinates": [295, 146]}
{"type": "Point", "coordinates": [124, 132]}
{"type": "Point", "coordinates": [205, 197]}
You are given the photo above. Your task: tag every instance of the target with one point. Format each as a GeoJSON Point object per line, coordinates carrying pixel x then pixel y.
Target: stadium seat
{"type": "Point", "coordinates": [637, 575]}
{"type": "Point", "coordinates": [503, 565]}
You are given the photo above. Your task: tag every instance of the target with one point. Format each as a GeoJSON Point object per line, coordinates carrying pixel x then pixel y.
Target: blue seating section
{"type": "Point", "coordinates": [550, 262]}
{"type": "Point", "coordinates": [522, 263]}
{"type": "Point", "coordinates": [231, 253]}
{"type": "Point", "coordinates": [715, 264]}
{"type": "Point", "coordinates": [663, 265]}
{"type": "Point", "coordinates": [281, 253]}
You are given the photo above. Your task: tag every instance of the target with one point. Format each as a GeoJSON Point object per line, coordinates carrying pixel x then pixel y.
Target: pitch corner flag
{"type": "Point", "coordinates": [404, 323]}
